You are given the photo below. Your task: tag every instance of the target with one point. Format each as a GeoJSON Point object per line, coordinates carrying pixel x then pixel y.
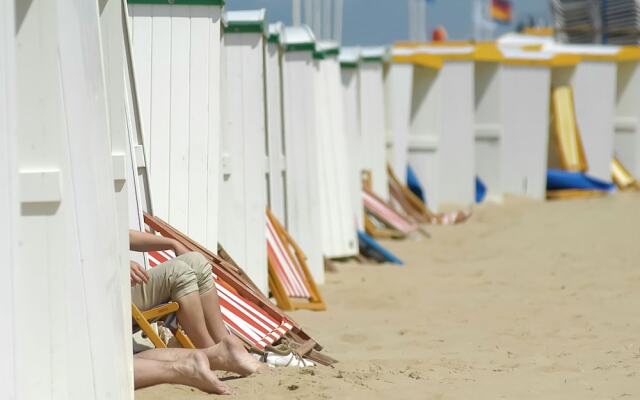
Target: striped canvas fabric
{"type": "Point", "coordinates": [241, 317]}
{"type": "Point", "coordinates": [286, 267]}
{"type": "Point", "coordinates": [501, 11]}
{"type": "Point", "coordinates": [386, 214]}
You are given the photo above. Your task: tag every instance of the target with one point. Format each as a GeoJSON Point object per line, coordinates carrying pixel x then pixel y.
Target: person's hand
{"type": "Point", "coordinates": [179, 248]}
{"type": "Point", "coordinates": [138, 274]}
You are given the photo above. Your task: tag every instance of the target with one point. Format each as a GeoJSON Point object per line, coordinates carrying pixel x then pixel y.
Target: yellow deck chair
{"type": "Point", "coordinates": [569, 150]}
{"type": "Point", "coordinates": [622, 177]}
{"type": "Point", "coordinates": [144, 319]}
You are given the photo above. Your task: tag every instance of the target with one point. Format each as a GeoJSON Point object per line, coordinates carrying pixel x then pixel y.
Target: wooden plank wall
{"type": "Point", "coordinates": [177, 64]}
{"type": "Point", "coordinates": [70, 259]}
{"type": "Point", "coordinates": [276, 150]}
{"type": "Point", "coordinates": [351, 90]}
{"type": "Point", "coordinates": [298, 87]}
{"type": "Point", "coordinates": [243, 183]}
{"type": "Point", "coordinates": [338, 224]}
{"type": "Point", "coordinates": [8, 195]}
{"type": "Point", "coordinates": [373, 126]}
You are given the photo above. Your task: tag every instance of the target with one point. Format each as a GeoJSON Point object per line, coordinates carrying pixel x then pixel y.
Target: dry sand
{"type": "Point", "coordinates": [526, 301]}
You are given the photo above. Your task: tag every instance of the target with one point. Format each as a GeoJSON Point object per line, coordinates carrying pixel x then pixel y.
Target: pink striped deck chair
{"type": "Point", "coordinates": [247, 312]}
{"type": "Point", "coordinates": [290, 281]}
{"type": "Point", "coordinates": [383, 212]}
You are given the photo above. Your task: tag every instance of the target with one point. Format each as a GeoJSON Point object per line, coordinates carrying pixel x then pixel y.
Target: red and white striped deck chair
{"type": "Point", "coordinates": [383, 212]}
{"type": "Point", "coordinates": [246, 311]}
{"type": "Point", "coordinates": [241, 317]}
{"type": "Point", "coordinates": [290, 280]}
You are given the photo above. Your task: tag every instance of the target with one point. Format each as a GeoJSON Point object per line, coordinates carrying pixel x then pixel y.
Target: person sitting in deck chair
{"type": "Point", "coordinates": [188, 281]}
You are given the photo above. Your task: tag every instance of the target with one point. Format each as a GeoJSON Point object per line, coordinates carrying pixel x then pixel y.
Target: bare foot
{"type": "Point", "coordinates": [230, 355]}
{"type": "Point", "coordinates": [194, 370]}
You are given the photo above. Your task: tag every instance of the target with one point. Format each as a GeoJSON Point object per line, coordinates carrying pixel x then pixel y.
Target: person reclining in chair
{"type": "Point", "coordinates": [188, 281]}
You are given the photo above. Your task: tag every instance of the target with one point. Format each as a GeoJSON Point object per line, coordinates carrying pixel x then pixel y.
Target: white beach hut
{"type": "Point", "coordinates": [298, 102]}
{"type": "Point", "coordinates": [593, 81]}
{"type": "Point", "coordinates": [176, 47]}
{"type": "Point", "coordinates": [71, 251]}
{"type": "Point", "coordinates": [350, 78]}
{"type": "Point", "coordinates": [338, 225]}
{"type": "Point", "coordinates": [243, 188]}
{"type": "Point", "coordinates": [275, 130]}
{"type": "Point", "coordinates": [397, 100]}
{"type": "Point", "coordinates": [512, 100]}
{"type": "Point", "coordinates": [627, 112]}
{"type": "Point", "coordinates": [442, 123]}
{"type": "Point", "coordinates": [372, 117]}
{"type": "Point", "coordinates": [9, 200]}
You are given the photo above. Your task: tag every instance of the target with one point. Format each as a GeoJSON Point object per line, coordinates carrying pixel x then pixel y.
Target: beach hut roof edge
{"type": "Point", "coordinates": [373, 54]}
{"type": "Point", "coordinates": [325, 49]}
{"type": "Point", "coordinates": [180, 2]}
{"type": "Point", "coordinates": [274, 30]}
{"type": "Point", "coordinates": [245, 21]}
{"type": "Point", "coordinates": [529, 55]}
{"type": "Point", "coordinates": [297, 38]}
{"type": "Point", "coordinates": [349, 57]}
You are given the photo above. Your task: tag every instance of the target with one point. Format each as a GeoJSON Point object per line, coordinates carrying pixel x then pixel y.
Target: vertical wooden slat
{"type": "Point", "coordinates": [160, 114]}
{"type": "Point", "coordinates": [198, 123]}
{"type": "Point", "coordinates": [179, 121]}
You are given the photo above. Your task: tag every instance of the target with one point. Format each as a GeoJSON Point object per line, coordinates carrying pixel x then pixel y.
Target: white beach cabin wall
{"type": "Point", "coordinates": [8, 197]}
{"type": "Point", "coordinates": [298, 100]}
{"type": "Point", "coordinates": [275, 150]}
{"type": "Point", "coordinates": [176, 51]}
{"type": "Point", "coordinates": [594, 93]}
{"type": "Point", "coordinates": [397, 101]}
{"type": "Point", "coordinates": [70, 253]}
{"type": "Point", "coordinates": [442, 124]}
{"type": "Point", "coordinates": [243, 188]}
{"type": "Point", "coordinates": [372, 117]}
{"type": "Point", "coordinates": [350, 79]}
{"type": "Point", "coordinates": [113, 36]}
{"type": "Point", "coordinates": [338, 226]}
{"type": "Point", "coordinates": [627, 117]}
{"type": "Point", "coordinates": [512, 121]}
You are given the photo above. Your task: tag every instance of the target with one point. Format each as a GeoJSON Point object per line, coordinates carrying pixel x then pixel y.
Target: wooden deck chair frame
{"type": "Point", "coordinates": [569, 148]}
{"type": "Point", "coordinates": [228, 271]}
{"type": "Point", "coordinates": [370, 226]}
{"type": "Point", "coordinates": [416, 209]}
{"type": "Point", "coordinates": [574, 194]}
{"type": "Point", "coordinates": [315, 302]}
{"type": "Point", "coordinates": [408, 201]}
{"type": "Point", "coordinates": [144, 319]}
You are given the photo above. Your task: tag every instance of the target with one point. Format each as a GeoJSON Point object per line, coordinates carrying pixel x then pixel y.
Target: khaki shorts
{"type": "Point", "coordinates": [169, 281]}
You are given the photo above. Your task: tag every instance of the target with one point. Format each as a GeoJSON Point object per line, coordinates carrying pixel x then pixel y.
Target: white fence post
{"type": "Point", "coordinates": [372, 115]}
{"type": "Point", "coordinates": [298, 85]}
{"type": "Point", "coordinates": [243, 187]}
{"type": "Point", "coordinates": [8, 198]}
{"type": "Point", "coordinates": [338, 225]}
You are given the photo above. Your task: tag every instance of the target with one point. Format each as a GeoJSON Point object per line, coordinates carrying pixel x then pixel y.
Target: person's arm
{"type": "Point", "coordinates": [143, 241]}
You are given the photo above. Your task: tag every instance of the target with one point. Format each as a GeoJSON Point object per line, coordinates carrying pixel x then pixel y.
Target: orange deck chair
{"type": "Point", "coordinates": [290, 281]}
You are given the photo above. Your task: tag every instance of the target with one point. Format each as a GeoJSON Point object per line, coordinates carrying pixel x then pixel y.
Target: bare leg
{"type": "Point", "coordinates": [192, 320]}
{"type": "Point", "coordinates": [213, 316]}
{"type": "Point", "coordinates": [192, 370]}
{"type": "Point", "coordinates": [228, 355]}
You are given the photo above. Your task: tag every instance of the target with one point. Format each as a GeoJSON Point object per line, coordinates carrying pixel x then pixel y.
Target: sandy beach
{"type": "Point", "coordinates": [528, 300]}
